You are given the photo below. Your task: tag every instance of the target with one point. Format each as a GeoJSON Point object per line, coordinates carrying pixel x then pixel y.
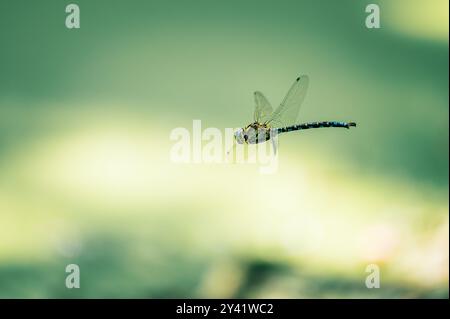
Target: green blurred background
{"type": "Point", "coordinates": [86, 178]}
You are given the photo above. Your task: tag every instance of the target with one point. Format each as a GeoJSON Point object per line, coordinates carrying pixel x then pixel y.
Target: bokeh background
{"type": "Point", "coordinates": [86, 177]}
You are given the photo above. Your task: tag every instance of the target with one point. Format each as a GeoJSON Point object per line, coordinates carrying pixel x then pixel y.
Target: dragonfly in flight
{"type": "Point", "coordinates": [268, 123]}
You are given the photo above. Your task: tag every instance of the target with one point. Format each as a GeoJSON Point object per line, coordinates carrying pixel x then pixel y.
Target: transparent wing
{"type": "Point", "coordinates": [263, 109]}
{"type": "Point", "coordinates": [287, 113]}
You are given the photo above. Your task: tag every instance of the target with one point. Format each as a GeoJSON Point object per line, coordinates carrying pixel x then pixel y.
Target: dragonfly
{"type": "Point", "coordinates": [268, 123]}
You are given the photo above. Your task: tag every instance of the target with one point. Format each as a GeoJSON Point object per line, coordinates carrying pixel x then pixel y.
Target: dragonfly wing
{"type": "Point", "coordinates": [287, 113]}
{"type": "Point", "coordinates": [263, 109]}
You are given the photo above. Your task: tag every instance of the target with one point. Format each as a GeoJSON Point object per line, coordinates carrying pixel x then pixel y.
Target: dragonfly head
{"type": "Point", "coordinates": [239, 136]}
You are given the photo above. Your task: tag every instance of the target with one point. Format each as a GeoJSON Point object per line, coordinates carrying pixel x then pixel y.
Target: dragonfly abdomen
{"type": "Point", "coordinates": [306, 126]}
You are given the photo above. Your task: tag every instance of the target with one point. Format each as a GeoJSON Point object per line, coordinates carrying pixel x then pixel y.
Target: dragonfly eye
{"type": "Point", "coordinates": [239, 136]}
